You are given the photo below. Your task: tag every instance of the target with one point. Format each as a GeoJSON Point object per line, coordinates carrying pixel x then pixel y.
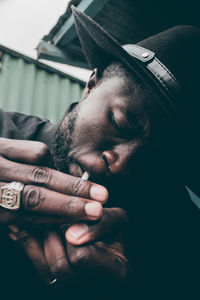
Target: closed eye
{"type": "Point", "coordinates": [113, 121]}
{"type": "Point", "coordinates": [121, 131]}
{"type": "Point", "coordinates": [124, 128]}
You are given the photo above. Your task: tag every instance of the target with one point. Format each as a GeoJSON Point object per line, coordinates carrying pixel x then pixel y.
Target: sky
{"type": "Point", "coordinates": [24, 22]}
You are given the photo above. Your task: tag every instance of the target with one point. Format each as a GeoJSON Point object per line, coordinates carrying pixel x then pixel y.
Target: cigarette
{"type": "Point", "coordinates": [85, 176]}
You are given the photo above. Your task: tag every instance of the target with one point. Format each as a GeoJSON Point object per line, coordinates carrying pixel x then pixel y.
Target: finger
{"type": "Point", "coordinates": [112, 222]}
{"type": "Point", "coordinates": [52, 179]}
{"type": "Point", "coordinates": [41, 200]}
{"type": "Point", "coordinates": [106, 262]}
{"type": "Point", "coordinates": [56, 258]}
{"type": "Point", "coordinates": [31, 152]}
{"type": "Point", "coordinates": [7, 217]}
{"type": "Point", "coordinates": [33, 250]}
{"type": "Point", "coordinates": [31, 219]}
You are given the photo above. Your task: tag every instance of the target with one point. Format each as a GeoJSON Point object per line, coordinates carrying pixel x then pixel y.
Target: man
{"type": "Point", "coordinates": [113, 135]}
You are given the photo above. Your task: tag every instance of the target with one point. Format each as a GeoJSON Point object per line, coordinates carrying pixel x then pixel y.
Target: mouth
{"type": "Point", "coordinates": [76, 169]}
{"type": "Point", "coordinates": [99, 173]}
{"type": "Point", "coordinates": [98, 176]}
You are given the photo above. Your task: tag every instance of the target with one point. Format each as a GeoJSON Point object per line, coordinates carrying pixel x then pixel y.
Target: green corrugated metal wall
{"type": "Point", "coordinates": [27, 88]}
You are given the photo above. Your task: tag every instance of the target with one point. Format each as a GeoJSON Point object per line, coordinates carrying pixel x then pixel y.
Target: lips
{"type": "Point", "coordinates": [76, 170]}
{"type": "Point", "coordinates": [98, 173]}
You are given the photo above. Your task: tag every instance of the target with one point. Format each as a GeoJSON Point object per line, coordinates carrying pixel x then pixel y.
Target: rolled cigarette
{"type": "Point", "coordinates": [85, 176]}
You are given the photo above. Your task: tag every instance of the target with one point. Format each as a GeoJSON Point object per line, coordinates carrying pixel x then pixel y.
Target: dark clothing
{"type": "Point", "coordinates": [163, 233]}
{"type": "Point", "coordinates": [18, 279]}
{"type": "Point", "coordinates": [24, 127]}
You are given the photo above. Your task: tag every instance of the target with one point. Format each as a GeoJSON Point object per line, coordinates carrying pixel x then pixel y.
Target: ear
{"type": "Point", "coordinates": [91, 84]}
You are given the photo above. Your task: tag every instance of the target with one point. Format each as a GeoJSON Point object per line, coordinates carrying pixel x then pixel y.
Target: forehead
{"type": "Point", "coordinates": [120, 87]}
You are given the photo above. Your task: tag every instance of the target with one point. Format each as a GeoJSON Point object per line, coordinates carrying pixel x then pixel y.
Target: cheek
{"type": "Point", "coordinates": [92, 133]}
{"type": "Point", "coordinates": [92, 126]}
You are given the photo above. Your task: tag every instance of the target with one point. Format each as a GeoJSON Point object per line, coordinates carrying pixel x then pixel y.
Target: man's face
{"type": "Point", "coordinates": [104, 133]}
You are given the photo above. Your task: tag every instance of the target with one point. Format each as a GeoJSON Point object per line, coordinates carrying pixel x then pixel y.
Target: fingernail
{"type": "Point", "coordinates": [77, 231]}
{"type": "Point", "coordinates": [98, 193]}
{"type": "Point", "coordinates": [93, 209]}
{"type": "Point", "coordinates": [12, 236]}
{"type": "Point", "coordinates": [13, 228]}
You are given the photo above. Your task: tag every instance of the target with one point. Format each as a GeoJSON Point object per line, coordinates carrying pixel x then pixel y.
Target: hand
{"type": "Point", "coordinates": [99, 256]}
{"type": "Point", "coordinates": [54, 196]}
{"type": "Point", "coordinates": [99, 248]}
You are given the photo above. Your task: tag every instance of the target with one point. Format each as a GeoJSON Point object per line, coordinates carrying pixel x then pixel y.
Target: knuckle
{"type": "Point", "coordinates": [78, 186]}
{"type": "Point", "coordinates": [80, 256]}
{"type": "Point", "coordinates": [22, 237]}
{"type": "Point", "coordinates": [74, 207]}
{"type": "Point", "coordinates": [39, 175]}
{"type": "Point", "coordinates": [116, 250]}
{"type": "Point", "coordinates": [4, 168]}
{"type": "Point", "coordinates": [59, 266]}
{"type": "Point", "coordinates": [33, 197]}
{"type": "Point", "coordinates": [42, 150]}
{"type": "Point", "coordinates": [123, 268]}
{"type": "Point", "coordinates": [44, 271]}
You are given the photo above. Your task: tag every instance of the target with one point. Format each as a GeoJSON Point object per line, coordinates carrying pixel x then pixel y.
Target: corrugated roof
{"type": "Point", "coordinates": [31, 87]}
{"type": "Point", "coordinates": [127, 20]}
{"type": "Point", "coordinates": [61, 20]}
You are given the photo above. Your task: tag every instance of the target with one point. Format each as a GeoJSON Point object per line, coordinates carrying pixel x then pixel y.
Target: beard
{"type": "Point", "coordinates": [63, 140]}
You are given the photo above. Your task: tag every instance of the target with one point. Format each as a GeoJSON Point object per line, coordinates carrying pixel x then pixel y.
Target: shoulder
{"type": "Point", "coordinates": [20, 126]}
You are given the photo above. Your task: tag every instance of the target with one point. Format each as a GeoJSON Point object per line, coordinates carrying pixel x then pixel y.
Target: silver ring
{"type": "Point", "coordinates": [10, 195]}
{"type": "Point", "coordinates": [54, 281]}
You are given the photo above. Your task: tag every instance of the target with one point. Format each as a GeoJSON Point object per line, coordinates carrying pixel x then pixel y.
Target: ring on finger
{"type": "Point", "coordinates": [11, 195]}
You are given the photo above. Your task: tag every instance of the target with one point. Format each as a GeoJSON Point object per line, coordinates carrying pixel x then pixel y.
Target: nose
{"type": "Point", "coordinates": [117, 160]}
